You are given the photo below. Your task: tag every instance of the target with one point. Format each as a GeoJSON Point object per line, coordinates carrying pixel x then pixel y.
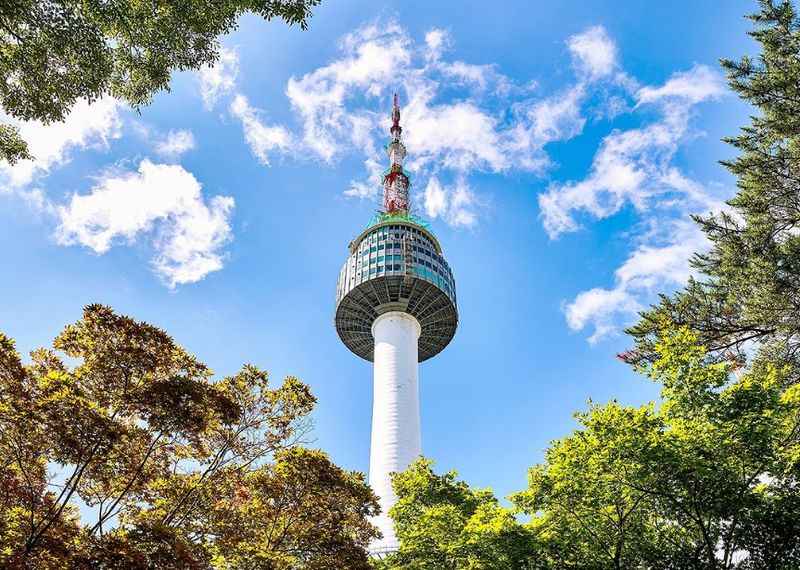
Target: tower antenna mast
{"type": "Point", "coordinates": [395, 181]}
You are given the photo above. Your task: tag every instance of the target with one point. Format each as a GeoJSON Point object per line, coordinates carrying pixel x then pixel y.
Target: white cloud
{"type": "Point", "coordinates": [458, 117]}
{"type": "Point", "coordinates": [470, 74]}
{"type": "Point", "coordinates": [633, 166]}
{"type": "Point", "coordinates": [37, 199]}
{"type": "Point", "coordinates": [461, 212]}
{"type": "Point", "coordinates": [436, 40]}
{"type": "Point", "coordinates": [455, 205]}
{"type": "Point", "coordinates": [558, 117]}
{"type": "Point", "coordinates": [619, 171]}
{"type": "Point", "coordinates": [454, 137]}
{"type": "Point", "coordinates": [594, 52]}
{"type": "Point", "coordinates": [87, 125]}
{"type": "Point", "coordinates": [368, 188]}
{"type": "Point", "coordinates": [261, 138]}
{"type": "Point", "coordinates": [599, 306]}
{"type": "Point", "coordinates": [458, 135]}
{"type": "Point", "coordinates": [435, 198]}
{"type": "Point", "coordinates": [612, 106]}
{"type": "Point", "coordinates": [219, 79]}
{"type": "Point", "coordinates": [698, 84]}
{"type": "Point", "coordinates": [543, 121]}
{"type": "Point", "coordinates": [361, 189]}
{"type": "Point", "coordinates": [660, 261]}
{"type": "Point", "coordinates": [175, 143]}
{"type": "Point", "coordinates": [649, 265]}
{"type": "Point", "coordinates": [161, 201]}
{"type": "Point", "coordinates": [335, 105]}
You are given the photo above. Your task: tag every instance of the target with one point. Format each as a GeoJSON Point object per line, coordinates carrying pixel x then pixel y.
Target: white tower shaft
{"type": "Point", "coordinates": [395, 411]}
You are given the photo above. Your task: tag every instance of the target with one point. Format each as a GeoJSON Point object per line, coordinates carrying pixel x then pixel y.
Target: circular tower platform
{"type": "Point", "coordinates": [396, 264]}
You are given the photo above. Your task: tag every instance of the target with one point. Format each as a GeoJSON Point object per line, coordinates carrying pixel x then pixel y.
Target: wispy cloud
{"type": "Point", "coordinates": [373, 57]}
{"type": "Point", "coordinates": [261, 138]}
{"type": "Point", "coordinates": [600, 307]}
{"type": "Point", "coordinates": [342, 106]}
{"type": "Point", "coordinates": [594, 52]}
{"type": "Point", "coordinates": [219, 79]}
{"type": "Point", "coordinates": [175, 143]}
{"type": "Point", "coordinates": [457, 204]}
{"type": "Point", "coordinates": [657, 263]}
{"type": "Point", "coordinates": [160, 203]}
{"type": "Point", "coordinates": [460, 118]}
{"type": "Point", "coordinates": [694, 86]}
{"type": "Point", "coordinates": [637, 167]}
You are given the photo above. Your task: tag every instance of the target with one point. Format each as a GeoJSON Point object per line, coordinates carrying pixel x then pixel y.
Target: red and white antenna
{"type": "Point", "coordinates": [395, 181]}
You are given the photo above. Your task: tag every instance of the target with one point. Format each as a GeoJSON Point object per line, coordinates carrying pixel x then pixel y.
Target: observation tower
{"type": "Point", "coordinates": [395, 307]}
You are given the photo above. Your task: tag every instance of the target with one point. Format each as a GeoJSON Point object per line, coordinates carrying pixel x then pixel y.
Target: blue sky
{"type": "Point", "coordinates": [556, 148]}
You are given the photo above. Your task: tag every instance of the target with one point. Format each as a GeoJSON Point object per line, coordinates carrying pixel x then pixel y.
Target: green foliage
{"type": "Point", "coordinates": [12, 147]}
{"type": "Point", "coordinates": [299, 512]}
{"type": "Point", "coordinates": [707, 480]}
{"type": "Point", "coordinates": [748, 287]}
{"type": "Point", "coordinates": [54, 53]}
{"type": "Point", "coordinates": [442, 523]}
{"type": "Point", "coordinates": [137, 431]}
{"type": "Point", "coordinates": [585, 513]}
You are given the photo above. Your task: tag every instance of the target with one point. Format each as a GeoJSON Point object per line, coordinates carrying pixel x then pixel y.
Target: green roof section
{"type": "Point", "coordinates": [398, 216]}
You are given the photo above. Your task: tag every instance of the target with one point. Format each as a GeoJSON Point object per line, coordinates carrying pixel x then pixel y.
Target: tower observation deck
{"type": "Point", "coordinates": [395, 306]}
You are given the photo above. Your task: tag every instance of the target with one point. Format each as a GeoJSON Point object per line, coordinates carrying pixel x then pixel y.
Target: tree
{"type": "Point", "coordinates": [585, 513]}
{"type": "Point", "coordinates": [299, 512]}
{"type": "Point", "coordinates": [748, 287]}
{"type": "Point", "coordinates": [709, 479]}
{"type": "Point", "coordinates": [444, 524]}
{"type": "Point", "coordinates": [139, 433]}
{"type": "Point", "coordinates": [53, 53]}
